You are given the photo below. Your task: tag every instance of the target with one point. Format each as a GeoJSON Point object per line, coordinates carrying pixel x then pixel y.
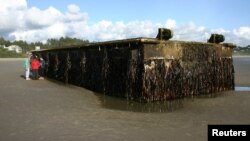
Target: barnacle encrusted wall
{"type": "Point", "coordinates": [144, 69]}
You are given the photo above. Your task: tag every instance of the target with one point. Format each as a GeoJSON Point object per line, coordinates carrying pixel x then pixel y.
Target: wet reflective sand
{"type": "Point", "coordinates": [237, 88]}
{"type": "Point", "coordinates": [44, 110]}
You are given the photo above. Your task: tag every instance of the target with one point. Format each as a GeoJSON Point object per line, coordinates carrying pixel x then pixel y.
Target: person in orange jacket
{"type": "Point", "coordinates": [35, 65]}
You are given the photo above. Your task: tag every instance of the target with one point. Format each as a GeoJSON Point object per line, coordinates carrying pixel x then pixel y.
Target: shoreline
{"type": "Point", "coordinates": [241, 56]}
{"type": "Point", "coordinates": [11, 59]}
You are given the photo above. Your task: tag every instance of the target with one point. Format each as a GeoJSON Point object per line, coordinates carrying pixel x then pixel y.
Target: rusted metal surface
{"type": "Point", "coordinates": [144, 69]}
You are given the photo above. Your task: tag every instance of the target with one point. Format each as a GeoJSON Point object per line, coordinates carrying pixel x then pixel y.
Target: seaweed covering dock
{"type": "Point", "coordinates": [144, 69]}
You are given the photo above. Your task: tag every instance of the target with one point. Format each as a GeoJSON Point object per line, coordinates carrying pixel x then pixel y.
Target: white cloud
{"type": "Point", "coordinates": [11, 15]}
{"type": "Point", "coordinates": [107, 30]}
{"type": "Point", "coordinates": [13, 4]}
{"type": "Point", "coordinates": [170, 23]}
{"type": "Point", "coordinates": [19, 22]}
{"type": "Point", "coordinates": [74, 9]}
{"type": "Point", "coordinates": [74, 14]}
{"type": "Point", "coordinates": [191, 32]}
{"type": "Point", "coordinates": [242, 35]}
{"type": "Point", "coordinates": [242, 32]}
{"type": "Point", "coordinates": [36, 18]}
{"type": "Point", "coordinates": [54, 31]}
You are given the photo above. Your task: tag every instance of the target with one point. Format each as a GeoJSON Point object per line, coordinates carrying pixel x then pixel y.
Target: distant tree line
{"type": "Point", "coordinates": [51, 43]}
{"type": "Point", "coordinates": [242, 50]}
{"type": "Point", "coordinates": [4, 53]}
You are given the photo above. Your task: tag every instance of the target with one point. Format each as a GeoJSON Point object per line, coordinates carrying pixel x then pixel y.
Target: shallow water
{"type": "Point", "coordinates": [121, 104]}
{"type": "Point", "coordinates": [133, 106]}
{"type": "Point", "coordinates": [245, 89]}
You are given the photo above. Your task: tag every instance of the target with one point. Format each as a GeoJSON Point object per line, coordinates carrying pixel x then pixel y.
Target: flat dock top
{"type": "Point", "coordinates": [46, 111]}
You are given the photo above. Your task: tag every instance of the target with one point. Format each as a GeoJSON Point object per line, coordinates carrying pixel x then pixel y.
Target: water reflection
{"type": "Point", "coordinates": [247, 89]}
{"type": "Point", "coordinates": [167, 106]}
{"type": "Point", "coordinates": [151, 107]}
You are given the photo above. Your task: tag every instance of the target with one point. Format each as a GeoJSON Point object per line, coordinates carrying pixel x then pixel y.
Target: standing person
{"type": "Point", "coordinates": [35, 64]}
{"type": "Point", "coordinates": [42, 68]}
{"type": "Point", "coordinates": [27, 67]}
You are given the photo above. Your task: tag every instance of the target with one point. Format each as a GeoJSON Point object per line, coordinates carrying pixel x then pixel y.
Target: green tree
{"type": "Point", "coordinates": [4, 42]}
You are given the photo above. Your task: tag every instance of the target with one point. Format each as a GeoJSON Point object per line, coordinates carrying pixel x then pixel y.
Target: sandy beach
{"type": "Point", "coordinates": [44, 110]}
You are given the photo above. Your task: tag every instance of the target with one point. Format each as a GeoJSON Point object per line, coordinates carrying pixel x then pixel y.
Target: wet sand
{"type": "Point", "coordinates": [49, 111]}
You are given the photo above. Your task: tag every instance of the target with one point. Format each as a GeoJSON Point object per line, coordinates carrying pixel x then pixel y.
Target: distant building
{"type": "Point", "coordinates": [15, 48]}
{"type": "Point", "coordinates": [37, 48]}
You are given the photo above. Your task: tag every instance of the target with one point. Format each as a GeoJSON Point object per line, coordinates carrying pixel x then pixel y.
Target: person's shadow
{"type": "Point", "coordinates": [22, 76]}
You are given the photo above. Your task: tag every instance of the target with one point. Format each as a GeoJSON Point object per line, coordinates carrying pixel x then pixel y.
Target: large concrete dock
{"type": "Point", "coordinates": [47, 111]}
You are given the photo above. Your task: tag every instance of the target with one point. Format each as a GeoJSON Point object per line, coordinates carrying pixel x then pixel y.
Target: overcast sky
{"type": "Point", "coordinates": [101, 20]}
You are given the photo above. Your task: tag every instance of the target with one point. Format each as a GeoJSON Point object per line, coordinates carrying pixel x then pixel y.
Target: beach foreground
{"type": "Point", "coordinates": [49, 111]}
